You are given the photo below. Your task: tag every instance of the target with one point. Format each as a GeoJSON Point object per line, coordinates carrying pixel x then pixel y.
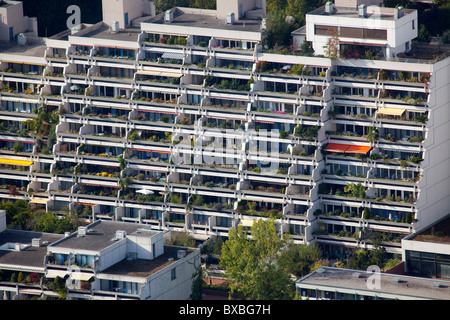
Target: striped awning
{"type": "Point", "coordinates": [170, 55]}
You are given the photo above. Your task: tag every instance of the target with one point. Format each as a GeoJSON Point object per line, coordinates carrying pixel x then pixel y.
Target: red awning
{"type": "Point", "coordinates": [347, 148]}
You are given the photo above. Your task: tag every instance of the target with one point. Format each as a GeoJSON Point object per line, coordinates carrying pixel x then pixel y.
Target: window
{"type": "Point", "coordinates": [173, 274]}
{"type": "Point", "coordinates": [325, 30]}
{"type": "Point", "coordinates": [413, 26]}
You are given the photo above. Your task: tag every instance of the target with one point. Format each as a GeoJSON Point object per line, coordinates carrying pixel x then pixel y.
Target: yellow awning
{"type": "Point", "coordinates": [246, 222]}
{"type": "Point", "coordinates": [391, 111]}
{"type": "Point", "coordinates": [40, 201]}
{"type": "Point", "coordinates": [30, 63]}
{"type": "Point", "coordinates": [16, 162]}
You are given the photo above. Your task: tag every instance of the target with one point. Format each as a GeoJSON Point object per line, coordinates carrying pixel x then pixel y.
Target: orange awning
{"type": "Point", "coordinates": [358, 149]}
{"type": "Point", "coordinates": [347, 148]}
{"type": "Point", "coordinates": [336, 147]}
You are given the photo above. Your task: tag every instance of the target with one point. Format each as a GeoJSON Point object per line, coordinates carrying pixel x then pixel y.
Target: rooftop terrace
{"type": "Point", "coordinates": [99, 235]}
{"type": "Point", "coordinates": [145, 268]}
{"type": "Point", "coordinates": [373, 12]}
{"type": "Point", "coordinates": [29, 255]}
{"type": "Point", "coordinates": [437, 233]}
{"type": "Point", "coordinates": [34, 47]}
{"type": "Point", "coordinates": [103, 31]}
{"type": "Point", "coordinates": [207, 19]}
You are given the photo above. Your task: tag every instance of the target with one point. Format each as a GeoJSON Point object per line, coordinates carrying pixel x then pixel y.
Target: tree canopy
{"type": "Point", "coordinates": [252, 265]}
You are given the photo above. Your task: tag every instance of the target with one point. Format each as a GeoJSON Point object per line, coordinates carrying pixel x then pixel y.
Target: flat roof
{"type": "Point", "coordinates": [438, 232]}
{"type": "Point", "coordinates": [189, 19]}
{"type": "Point", "coordinates": [145, 268]}
{"type": "Point", "coordinates": [35, 47]}
{"type": "Point", "coordinates": [99, 235]}
{"type": "Point", "coordinates": [390, 286]}
{"type": "Point", "coordinates": [381, 13]}
{"type": "Point", "coordinates": [28, 256]}
{"type": "Point", "coordinates": [103, 31]}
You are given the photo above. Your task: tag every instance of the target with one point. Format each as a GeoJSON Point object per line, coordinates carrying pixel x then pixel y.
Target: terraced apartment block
{"type": "Point", "coordinates": [183, 121]}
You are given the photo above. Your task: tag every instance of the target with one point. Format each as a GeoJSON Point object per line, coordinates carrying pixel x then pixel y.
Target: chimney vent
{"type": "Point", "coordinates": [181, 254]}
{"type": "Point", "coordinates": [329, 7]}
{"type": "Point", "coordinates": [362, 11]}
{"type": "Point", "coordinates": [120, 234]}
{"type": "Point", "coordinates": [36, 242]}
{"type": "Point", "coordinates": [230, 18]}
{"type": "Point", "coordinates": [168, 16]}
{"type": "Point", "coordinates": [400, 12]}
{"type": "Point", "coordinates": [82, 231]}
{"type": "Point", "coordinates": [115, 26]}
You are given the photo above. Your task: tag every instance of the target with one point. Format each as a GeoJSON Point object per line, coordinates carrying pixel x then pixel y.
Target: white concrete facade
{"type": "Point", "coordinates": [126, 109]}
{"type": "Point", "coordinates": [399, 30]}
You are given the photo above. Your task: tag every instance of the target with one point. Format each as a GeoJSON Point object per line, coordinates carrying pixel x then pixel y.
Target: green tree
{"type": "Point", "coordinates": [357, 190]}
{"type": "Point", "coordinates": [423, 34]}
{"type": "Point", "coordinates": [299, 259]}
{"type": "Point", "coordinates": [278, 32]}
{"type": "Point", "coordinates": [299, 8]}
{"type": "Point", "coordinates": [18, 147]}
{"type": "Point", "coordinates": [251, 265]}
{"type": "Point", "coordinates": [17, 213]}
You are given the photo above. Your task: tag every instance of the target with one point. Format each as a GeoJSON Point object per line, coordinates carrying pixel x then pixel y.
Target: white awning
{"type": "Point", "coordinates": [159, 73]}
{"type": "Point", "coordinates": [81, 276]}
{"type": "Point", "coordinates": [55, 273]}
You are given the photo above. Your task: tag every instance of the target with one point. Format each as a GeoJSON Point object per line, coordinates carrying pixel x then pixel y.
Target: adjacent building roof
{"type": "Point", "coordinates": [99, 235]}
{"type": "Point", "coordinates": [389, 286]}
{"type": "Point", "coordinates": [145, 268]}
{"type": "Point", "coordinates": [182, 18]}
{"type": "Point", "coordinates": [28, 256]}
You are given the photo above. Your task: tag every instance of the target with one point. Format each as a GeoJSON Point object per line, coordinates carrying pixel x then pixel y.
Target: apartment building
{"type": "Point", "coordinates": [182, 121]}
{"type": "Point", "coordinates": [106, 260]}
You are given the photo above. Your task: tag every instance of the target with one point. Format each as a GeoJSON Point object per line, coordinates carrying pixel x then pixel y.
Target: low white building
{"type": "Point", "coordinates": [105, 260]}
{"type": "Point", "coordinates": [361, 27]}
{"type": "Point", "coordinates": [13, 22]}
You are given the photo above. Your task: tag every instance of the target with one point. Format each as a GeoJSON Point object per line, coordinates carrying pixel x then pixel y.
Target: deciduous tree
{"type": "Point", "coordinates": [251, 265]}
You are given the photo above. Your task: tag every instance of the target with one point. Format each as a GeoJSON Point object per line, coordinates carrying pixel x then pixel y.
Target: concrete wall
{"type": "Point", "coordinates": [238, 7]}
{"type": "Point", "coordinates": [113, 254]}
{"type": "Point", "coordinates": [399, 31]}
{"type": "Point", "coordinates": [2, 220]}
{"type": "Point", "coordinates": [161, 285]}
{"type": "Point", "coordinates": [143, 245]}
{"type": "Point", "coordinates": [434, 197]}
{"type": "Point", "coordinates": [114, 10]}
{"type": "Point", "coordinates": [12, 16]}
